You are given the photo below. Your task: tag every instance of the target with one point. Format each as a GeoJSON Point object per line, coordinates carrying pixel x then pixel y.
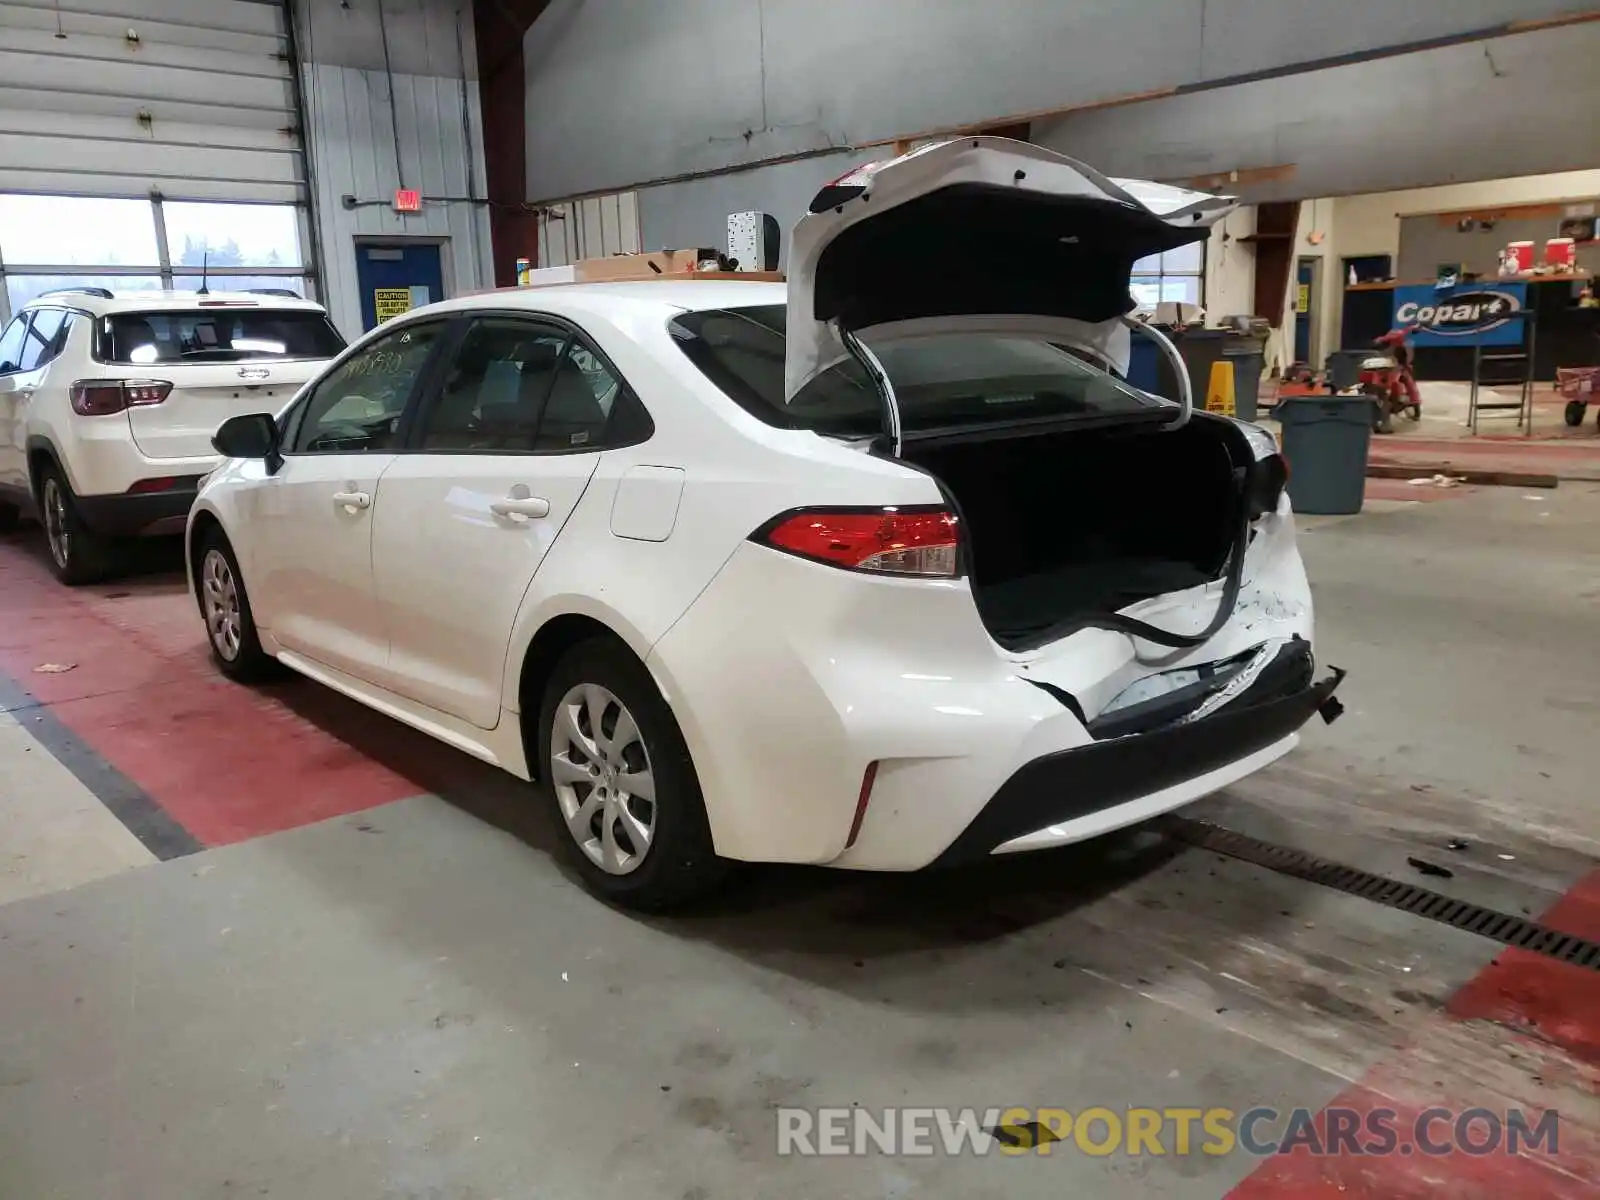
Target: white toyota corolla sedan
{"type": "Point", "coordinates": [882, 568]}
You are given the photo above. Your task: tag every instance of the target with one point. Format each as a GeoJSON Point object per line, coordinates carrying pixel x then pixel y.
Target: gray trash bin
{"type": "Point", "coordinates": [1325, 439]}
{"type": "Point", "coordinates": [1246, 353]}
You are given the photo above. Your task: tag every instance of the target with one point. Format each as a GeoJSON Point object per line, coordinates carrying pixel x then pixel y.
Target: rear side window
{"type": "Point", "coordinates": [948, 380]}
{"type": "Point", "coordinates": [494, 391]}
{"type": "Point", "coordinates": [217, 335]}
{"type": "Point", "coordinates": [518, 386]}
{"type": "Point", "coordinates": [46, 334]}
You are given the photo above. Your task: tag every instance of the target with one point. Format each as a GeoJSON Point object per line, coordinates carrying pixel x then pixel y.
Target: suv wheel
{"type": "Point", "coordinates": [77, 554]}
{"type": "Point", "coordinates": [624, 786]}
{"type": "Point", "coordinates": [225, 605]}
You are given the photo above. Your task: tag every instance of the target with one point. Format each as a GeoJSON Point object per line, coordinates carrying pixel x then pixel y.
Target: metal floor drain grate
{"type": "Point", "coordinates": [1380, 889]}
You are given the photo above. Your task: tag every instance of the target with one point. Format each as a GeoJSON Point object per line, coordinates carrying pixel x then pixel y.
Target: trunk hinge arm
{"type": "Point", "coordinates": [880, 378]}
{"type": "Point", "coordinates": [1179, 368]}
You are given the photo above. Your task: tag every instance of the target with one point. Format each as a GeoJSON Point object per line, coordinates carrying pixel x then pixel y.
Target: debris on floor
{"type": "Point", "coordinates": [1439, 481]}
{"type": "Point", "coordinates": [54, 668]}
{"type": "Point", "coordinates": [1433, 869]}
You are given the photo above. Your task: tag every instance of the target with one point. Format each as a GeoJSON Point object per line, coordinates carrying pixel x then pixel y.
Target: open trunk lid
{"type": "Point", "coordinates": [977, 228]}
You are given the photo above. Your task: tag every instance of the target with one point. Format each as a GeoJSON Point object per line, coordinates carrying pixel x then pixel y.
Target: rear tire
{"type": "Point", "coordinates": [78, 555]}
{"type": "Point", "coordinates": [225, 608]}
{"type": "Point", "coordinates": [623, 788]}
{"type": "Point", "coordinates": [1574, 413]}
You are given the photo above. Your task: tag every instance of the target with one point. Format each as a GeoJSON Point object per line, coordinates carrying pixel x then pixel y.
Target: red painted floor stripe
{"type": "Point", "coordinates": [1418, 1176]}
{"type": "Point", "coordinates": [227, 762]}
{"type": "Point", "coordinates": [1548, 1018]}
{"type": "Point", "coordinates": [1539, 996]}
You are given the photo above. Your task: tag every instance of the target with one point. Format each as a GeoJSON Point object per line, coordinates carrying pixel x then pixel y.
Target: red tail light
{"type": "Point", "coordinates": [103, 397]}
{"type": "Point", "coordinates": [887, 541]}
{"type": "Point", "coordinates": [163, 483]}
{"type": "Point", "coordinates": [868, 777]}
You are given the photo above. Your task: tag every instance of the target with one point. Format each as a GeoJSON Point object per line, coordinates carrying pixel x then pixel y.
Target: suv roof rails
{"type": "Point", "coordinates": [293, 295]}
{"type": "Point", "coordinates": [101, 292]}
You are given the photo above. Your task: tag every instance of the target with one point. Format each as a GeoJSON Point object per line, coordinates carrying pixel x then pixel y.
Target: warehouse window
{"type": "Point", "coordinates": [1176, 275]}
{"type": "Point", "coordinates": [53, 242]}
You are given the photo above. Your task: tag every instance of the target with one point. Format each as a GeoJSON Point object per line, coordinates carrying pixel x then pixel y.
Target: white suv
{"type": "Point", "coordinates": [108, 405]}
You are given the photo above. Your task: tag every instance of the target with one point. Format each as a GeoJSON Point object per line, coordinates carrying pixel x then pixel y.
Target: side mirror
{"type": "Point", "coordinates": [253, 435]}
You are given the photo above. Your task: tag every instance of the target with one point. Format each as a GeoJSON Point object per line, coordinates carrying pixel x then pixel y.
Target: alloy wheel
{"type": "Point", "coordinates": [220, 593]}
{"type": "Point", "coordinates": [600, 770]}
{"type": "Point", "coordinates": [54, 505]}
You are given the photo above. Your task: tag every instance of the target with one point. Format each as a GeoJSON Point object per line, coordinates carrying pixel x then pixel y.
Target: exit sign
{"type": "Point", "coordinates": [407, 200]}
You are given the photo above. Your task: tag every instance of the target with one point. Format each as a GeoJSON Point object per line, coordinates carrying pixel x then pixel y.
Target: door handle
{"type": "Point", "coordinates": [520, 506]}
{"type": "Point", "coordinates": [352, 499]}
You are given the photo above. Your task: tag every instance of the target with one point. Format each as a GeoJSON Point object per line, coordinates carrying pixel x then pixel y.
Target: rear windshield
{"type": "Point", "coordinates": [217, 335]}
{"type": "Point", "coordinates": [949, 380]}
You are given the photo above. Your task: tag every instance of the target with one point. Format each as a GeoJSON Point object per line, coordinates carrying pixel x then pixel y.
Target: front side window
{"type": "Point", "coordinates": [217, 335]}
{"type": "Point", "coordinates": [947, 380]}
{"type": "Point", "coordinates": [357, 407]}
{"type": "Point", "coordinates": [11, 343]}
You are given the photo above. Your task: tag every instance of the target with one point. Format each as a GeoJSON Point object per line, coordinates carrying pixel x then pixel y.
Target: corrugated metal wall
{"type": "Point", "coordinates": [594, 228]}
{"type": "Point", "coordinates": [352, 128]}
{"type": "Point", "coordinates": [116, 97]}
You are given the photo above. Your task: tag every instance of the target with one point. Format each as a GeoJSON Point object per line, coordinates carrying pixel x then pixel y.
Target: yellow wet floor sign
{"type": "Point", "coordinates": [1219, 393]}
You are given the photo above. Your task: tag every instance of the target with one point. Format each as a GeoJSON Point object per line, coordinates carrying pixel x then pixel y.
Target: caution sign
{"type": "Point", "coordinates": [390, 302]}
{"type": "Point", "coordinates": [1219, 393]}
{"type": "Point", "coordinates": [1302, 300]}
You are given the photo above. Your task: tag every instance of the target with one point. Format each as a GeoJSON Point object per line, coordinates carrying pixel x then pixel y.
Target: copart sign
{"type": "Point", "coordinates": [1471, 314]}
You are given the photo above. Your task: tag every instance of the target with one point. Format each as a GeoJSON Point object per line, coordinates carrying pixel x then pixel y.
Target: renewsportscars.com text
{"type": "Point", "coordinates": [1099, 1132]}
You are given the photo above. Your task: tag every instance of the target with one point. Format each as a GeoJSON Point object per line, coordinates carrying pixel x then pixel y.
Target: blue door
{"type": "Point", "coordinates": [396, 278]}
{"type": "Point", "coordinates": [1304, 309]}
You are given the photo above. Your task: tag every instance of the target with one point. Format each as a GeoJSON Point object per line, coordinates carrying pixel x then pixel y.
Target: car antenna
{"type": "Point", "coordinates": [205, 270]}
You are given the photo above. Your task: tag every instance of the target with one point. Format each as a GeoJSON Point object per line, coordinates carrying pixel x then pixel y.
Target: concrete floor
{"type": "Point", "coordinates": [339, 963]}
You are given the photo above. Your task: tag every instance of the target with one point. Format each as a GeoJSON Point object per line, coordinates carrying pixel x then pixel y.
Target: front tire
{"type": "Point", "coordinates": [1574, 413]}
{"type": "Point", "coordinates": [225, 607]}
{"type": "Point", "coordinates": [623, 785]}
{"type": "Point", "coordinates": [78, 555]}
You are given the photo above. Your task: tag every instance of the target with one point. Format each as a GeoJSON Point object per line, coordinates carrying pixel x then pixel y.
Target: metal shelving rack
{"type": "Point", "coordinates": [1518, 365]}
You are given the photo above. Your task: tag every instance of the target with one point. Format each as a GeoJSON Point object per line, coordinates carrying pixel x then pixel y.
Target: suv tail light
{"type": "Point", "coordinates": [103, 397]}
{"type": "Point", "coordinates": [919, 542]}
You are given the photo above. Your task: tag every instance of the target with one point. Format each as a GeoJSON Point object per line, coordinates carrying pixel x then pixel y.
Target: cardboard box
{"type": "Point", "coordinates": [633, 266]}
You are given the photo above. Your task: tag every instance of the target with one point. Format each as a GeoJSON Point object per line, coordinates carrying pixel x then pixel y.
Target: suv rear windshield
{"type": "Point", "coordinates": [943, 381]}
{"type": "Point", "coordinates": [216, 335]}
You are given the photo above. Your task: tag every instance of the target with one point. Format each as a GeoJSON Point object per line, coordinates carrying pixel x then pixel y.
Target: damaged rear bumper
{"type": "Point", "coordinates": [1049, 795]}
